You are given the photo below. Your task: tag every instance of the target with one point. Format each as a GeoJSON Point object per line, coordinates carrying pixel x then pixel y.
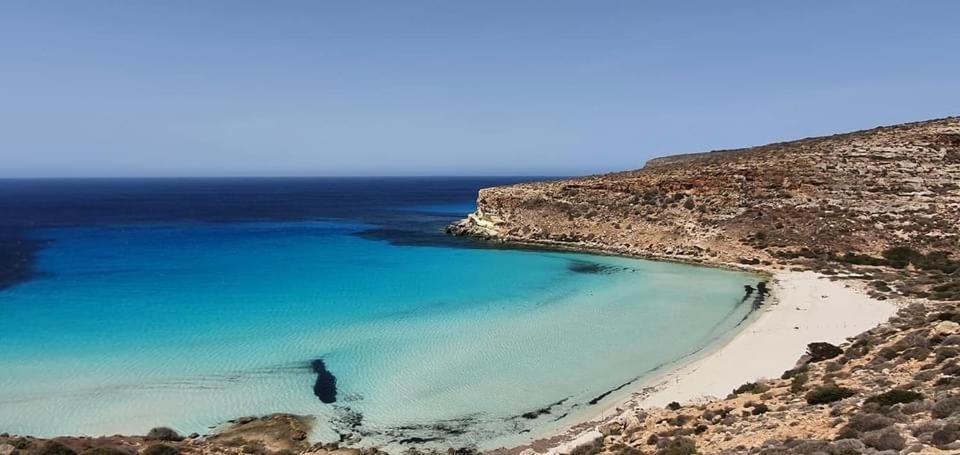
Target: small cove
{"type": "Point", "coordinates": [189, 324]}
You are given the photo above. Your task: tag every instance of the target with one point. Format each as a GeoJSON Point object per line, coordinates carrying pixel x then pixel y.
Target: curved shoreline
{"type": "Point", "coordinates": [598, 375]}
{"type": "Point", "coordinates": [802, 309]}
{"type": "Point", "coordinates": [654, 388]}
{"type": "Point", "coordinates": [606, 403]}
{"type": "Point", "coordinates": [603, 250]}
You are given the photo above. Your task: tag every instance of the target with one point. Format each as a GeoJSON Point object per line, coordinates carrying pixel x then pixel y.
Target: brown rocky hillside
{"type": "Point", "coordinates": [889, 196]}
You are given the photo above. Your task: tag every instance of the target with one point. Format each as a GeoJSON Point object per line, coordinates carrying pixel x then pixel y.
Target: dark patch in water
{"type": "Point", "coordinates": [325, 388]}
{"type": "Point", "coordinates": [18, 257]}
{"type": "Point", "coordinates": [608, 392]}
{"type": "Point", "coordinates": [432, 235]}
{"type": "Point", "coordinates": [587, 267]}
{"type": "Point", "coordinates": [593, 268]}
{"type": "Point", "coordinates": [758, 300]}
{"type": "Point", "coordinates": [446, 430]}
{"type": "Point", "coordinates": [412, 237]}
{"type": "Point", "coordinates": [417, 440]}
{"type": "Point", "coordinates": [584, 267]}
{"type": "Point", "coordinates": [544, 410]}
{"type": "Point", "coordinates": [28, 205]}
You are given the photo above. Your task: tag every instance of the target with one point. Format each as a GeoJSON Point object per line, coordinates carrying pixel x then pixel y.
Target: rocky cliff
{"type": "Point", "coordinates": [881, 207]}
{"type": "Point", "coordinates": [886, 196]}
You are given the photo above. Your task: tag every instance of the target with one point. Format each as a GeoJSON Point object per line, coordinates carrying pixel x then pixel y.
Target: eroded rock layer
{"type": "Point", "coordinates": [849, 197]}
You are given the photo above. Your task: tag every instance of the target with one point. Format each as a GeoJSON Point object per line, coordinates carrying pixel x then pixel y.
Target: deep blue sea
{"type": "Point", "coordinates": [134, 303]}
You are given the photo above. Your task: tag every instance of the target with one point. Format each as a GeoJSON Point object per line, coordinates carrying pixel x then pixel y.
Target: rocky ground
{"type": "Point", "coordinates": [886, 196]}
{"type": "Point", "coordinates": [880, 206]}
{"type": "Point", "coordinates": [272, 434]}
{"type": "Point", "coordinates": [889, 390]}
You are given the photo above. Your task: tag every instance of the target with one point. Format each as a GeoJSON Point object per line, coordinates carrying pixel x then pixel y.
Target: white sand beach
{"type": "Point", "coordinates": [804, 307]}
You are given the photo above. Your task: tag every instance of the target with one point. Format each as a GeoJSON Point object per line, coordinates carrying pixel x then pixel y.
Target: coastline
{"type": "Point", "coordinates": [803, 307]}
{"type": "Point", "coordinates": [766, 345]}
{"type": "Point", "coordinates": [763, 210]}
{"type": "Point", "coordinates": [806, 307]}
{"type": "Point", "coordinates": [824, 205]}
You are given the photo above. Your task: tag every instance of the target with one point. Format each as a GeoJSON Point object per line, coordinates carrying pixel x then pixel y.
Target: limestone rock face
{"type": "Point", "coordinates": [860, 192]}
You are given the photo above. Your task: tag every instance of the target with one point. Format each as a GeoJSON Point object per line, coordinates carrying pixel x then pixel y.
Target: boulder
{"type": "Point", "coordinates": [847, 446]}
{"type": "Point", "coordinates": [160, 449]}
{"type": "Point", "coordinates": [888, 439]}
{"type": "Point", "coordinates": [821, 351]}
{"type": "Point", "coordinates": [946, 328]}
{"type": "Point", "coordinates": [946, 407]}
{"type": "Point", "coordinates": [946, 435]}
{"type": "Point", "coordinates": [164, 434]}
{"type": "Point", "coordinates": [55, 448]}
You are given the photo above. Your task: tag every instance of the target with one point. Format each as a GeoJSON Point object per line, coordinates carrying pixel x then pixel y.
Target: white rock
{"type": "Point", "coordinates": [7, 449]}
{"type": "Point", "coordinates": [946, 327]}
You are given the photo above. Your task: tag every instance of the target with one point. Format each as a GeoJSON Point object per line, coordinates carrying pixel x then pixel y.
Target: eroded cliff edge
{"type": "Point", "coordinates": [886, 196]}
{"type": "Point", "coordinates": [879, 209]}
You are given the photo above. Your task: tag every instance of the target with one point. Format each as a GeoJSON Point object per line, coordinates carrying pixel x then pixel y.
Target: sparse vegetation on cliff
{"type": "Point", "coordinates": [881, 201]}
{"type": "Point", "coordinates": [877, 206]}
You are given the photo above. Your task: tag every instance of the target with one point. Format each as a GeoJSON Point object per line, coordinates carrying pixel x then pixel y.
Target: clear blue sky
{"type": "Point", "coordinates": [191, 88]}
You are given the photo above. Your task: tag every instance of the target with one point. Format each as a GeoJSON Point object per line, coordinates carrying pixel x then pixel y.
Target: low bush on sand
{"type": "Point", "coordinates": [828, 394]}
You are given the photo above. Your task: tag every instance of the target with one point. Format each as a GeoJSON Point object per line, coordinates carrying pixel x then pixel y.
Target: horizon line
{"type": "Point", "coordinates": [264, 177]}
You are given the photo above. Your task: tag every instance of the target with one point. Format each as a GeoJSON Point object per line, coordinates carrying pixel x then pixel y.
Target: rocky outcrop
{"type": "Point", "coordinates": [275, 433]}
{"type": "Point", "coordinates": [880, 206]}
{"type": "Point", "coordinates": [891, 388]}
{"type": "Point", "coordinates": [844, 198]}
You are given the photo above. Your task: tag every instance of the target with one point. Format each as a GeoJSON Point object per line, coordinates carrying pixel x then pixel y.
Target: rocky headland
{"type": "Point", "coordinates": [878, 210]}
{"type": "Point", "coordinates": [889, 196]}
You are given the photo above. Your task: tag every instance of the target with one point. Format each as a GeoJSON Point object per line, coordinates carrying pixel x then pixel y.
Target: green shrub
{"type": "Point", "coordinates": [678, 446]}
{"type": "Point", "coordinates": [893, 397]}
{"type": "Point", "coordinates": [861, 259]}
{"type": "Point", "coordinates": [869, 422]}
{"type": "Point", "coordinates": [164, 434]}
{"type": "Point", "coordinates": [105, 450]}
{"type": "Point", "coordinates": [888, 439]}
{"type": "Point", "coordinates": [673, 406]}
{"type": "Point", "coordinates": [900, 256]}
{"type": "Point", "coordinates": [946, 291]}
{"type": "Point", "coordinates": [55, 448]}
{"type": "Point", "coordinates": [888, 353]}
{"type": "Point", "coordinates": [945, 407]}
{"type": "Point", "coordinates": [828, 394]}
{"type": "Point", "coordinates": [751, 387]}
{"type": "Point", "coordinates": [821, 351]}
{"type": "Point", "coordinates": [937, 260]}
{"type": "Point", "coordinates": [798, 381]}
{"type": "Point", "coordinates": [794, 371]}
{"type": "Point", "coordinates": [590, 448]}
{"type": "Point", "coordinates": [160, 449]}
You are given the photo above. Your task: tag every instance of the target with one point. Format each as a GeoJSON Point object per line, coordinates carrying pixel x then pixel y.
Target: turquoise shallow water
{"type": "Point", "coordinates": [189, 324]}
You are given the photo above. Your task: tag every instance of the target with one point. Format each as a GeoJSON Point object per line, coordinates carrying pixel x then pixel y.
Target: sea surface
{"type": "Point", "coordinates": [129, 304]}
